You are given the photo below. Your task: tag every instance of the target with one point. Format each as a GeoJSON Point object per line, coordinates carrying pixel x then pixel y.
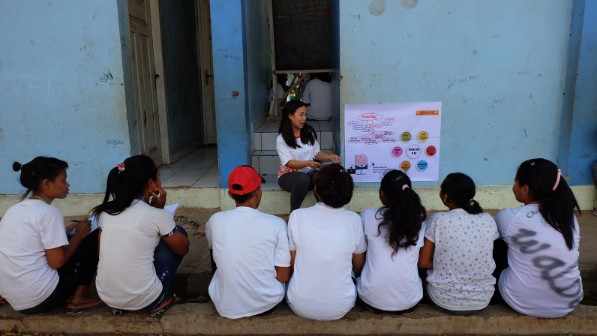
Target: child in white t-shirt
{"type": "Point", "coordinates": [326, 246]}
{"type": "Point", "coordinates": [40, 268]}
{"type": "Point", "coordinates": [390, 281]}
{"type": "Point", "coordinates": [542, 278]}
{"type": "Point", "coordinates": [250, 250]}
{"type": "Point", "coordinates": [458, 250]}
{"type": "Point", "coordinates": [140, 245]}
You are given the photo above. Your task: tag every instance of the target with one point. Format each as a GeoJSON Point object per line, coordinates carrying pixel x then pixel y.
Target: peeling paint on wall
{"type": "Point", "coordinates": [377, 7]}
{"type": "Point", "coordinates": [409, 4]}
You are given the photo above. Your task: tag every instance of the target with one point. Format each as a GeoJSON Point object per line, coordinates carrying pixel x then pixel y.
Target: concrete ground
{"type": "Point", "coordinates": [199, 317]}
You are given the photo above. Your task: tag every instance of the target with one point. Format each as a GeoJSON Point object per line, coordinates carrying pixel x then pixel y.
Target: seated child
{"type": "Point", "coordinates": [390, 281]}
{"type": "Point", "coordinates": [326, 245]}
{"type": "Point", "coordinates": [140, 245]}
{"type": "Point", "coordinates": [250, 250]}
{"type": "Point", "coordinates": [40, 269]}
{"type": "Point", "coordinates": [458, 250]}
{"type": "Point", "coordinates": [542, 278]}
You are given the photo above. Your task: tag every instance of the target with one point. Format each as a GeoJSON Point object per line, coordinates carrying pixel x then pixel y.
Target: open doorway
{"type": "Point", "coordinates": [172, 77]}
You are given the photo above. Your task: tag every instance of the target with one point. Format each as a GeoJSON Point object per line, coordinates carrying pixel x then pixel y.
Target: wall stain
{"type": "Point", "coordinates": [377, 7]}
{"type": "Point", "coordinates": [106, 77]}
{"type": "Point", "coordinates": [409, 4]}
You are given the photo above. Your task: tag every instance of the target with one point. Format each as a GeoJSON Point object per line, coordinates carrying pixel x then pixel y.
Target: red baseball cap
{"type": "Point", "coordinates": [243, 180]}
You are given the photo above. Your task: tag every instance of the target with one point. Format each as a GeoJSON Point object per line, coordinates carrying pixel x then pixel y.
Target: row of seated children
{"type": "Point", "coordinates": [329, 257]}
{"type": "Point", "coordinates": [319, 251]}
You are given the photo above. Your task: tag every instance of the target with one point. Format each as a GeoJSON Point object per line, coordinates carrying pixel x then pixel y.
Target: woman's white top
{"type": "Point", "coordinates": [324, 239]}
{"type": "Point", "coordinates": [389, 281]}
{"type": "Point", "coordinates": [461, 278]}
{"type": "Point", "coordinates": [303, 153]}
{"type": "Point", "coordinates": [126, 276]}
{"type": "Point", "coordinates": [27, 230]}
{"type": "Point", "coordinates": [542, 278]}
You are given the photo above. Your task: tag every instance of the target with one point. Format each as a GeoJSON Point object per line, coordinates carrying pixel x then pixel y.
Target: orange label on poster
{"type": "Point", "coordinates": [427, 112]}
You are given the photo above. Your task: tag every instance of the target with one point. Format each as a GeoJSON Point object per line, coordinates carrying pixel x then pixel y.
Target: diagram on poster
{"type": "Point", "coordinates": [382, 137]}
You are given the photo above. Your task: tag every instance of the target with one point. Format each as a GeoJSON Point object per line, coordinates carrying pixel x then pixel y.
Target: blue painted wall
{"type": "Point", "coordinates": [242, 69]}
{"type": "Point", "coordinates": [499, 68]}
{"type": "Point", "coordinates": [62, 89]}
{"type": "Point", "coordinates": [229, 59]}
{"type": "Point", "coordinates": [582, 151]}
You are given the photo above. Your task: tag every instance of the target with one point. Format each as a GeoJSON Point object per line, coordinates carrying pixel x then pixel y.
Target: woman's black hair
{"type": "Point", "coordinates": [402, 214]}
{"type": "Point", "coordinates": [460, 189]}
{"type": "Point", "coordinates": [126, 182]}
{"type": "Point", "coordinates": [37, 170]}
{"type": "Point", "coordinates": [548, 187]}
{"type": "Point", "coordinates": [333, 185]}
{"type": "Point", "coordinates": [308, 134]}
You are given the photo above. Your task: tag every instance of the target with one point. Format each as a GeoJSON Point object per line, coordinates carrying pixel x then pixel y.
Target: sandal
{"type": "Point", "coordinates": [78, 308]}
{"type": "Point", "coordinates": [116, 311]}
{"type": "Point", "coordinates": [174, 299]}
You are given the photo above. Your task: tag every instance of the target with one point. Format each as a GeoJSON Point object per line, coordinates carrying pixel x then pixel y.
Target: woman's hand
{"type": "Point", "coordinates": [334, 158]}
{"type": "Point", "coordinates": [157, 197]}
{"type": "Point", "coordinates": [313, 164]}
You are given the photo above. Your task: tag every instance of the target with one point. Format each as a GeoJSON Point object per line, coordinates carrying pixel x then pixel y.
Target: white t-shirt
{"type": "Point", "coordinates": [319, 95]}
{"type": "Point", "coordinates": [388, 282]}
{"type": "Point", "coordinates": [324, 239]}
{"type": "Point", "coordinates": [462, 261]}
{"type": "Point", "coordinates": [247, 244]}
{"type": "Point", "coordinates": [302, 153]}
{"type": "Point", "coordinates": [27, 230]}
{"type": "Point", "coordinates": [279, 92]}
{"type": "Point", "coordinates": [126, 277]}
{"type": "Point", "coordinates": [543, 278]}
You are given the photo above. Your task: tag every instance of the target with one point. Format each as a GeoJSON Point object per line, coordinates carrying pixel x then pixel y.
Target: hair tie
{"type": "Point", "coordinates": [405, 186]}
{"type": "Point", "coordinates": [559, 174]}
{"type": "Point", "coordinates": [471, 202]}
{"type": "Point", "coordinates": [120, 167]}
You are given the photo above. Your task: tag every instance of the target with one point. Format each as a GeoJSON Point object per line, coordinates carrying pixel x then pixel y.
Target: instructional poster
{"type": "Point", "coordinates": [382, 137]}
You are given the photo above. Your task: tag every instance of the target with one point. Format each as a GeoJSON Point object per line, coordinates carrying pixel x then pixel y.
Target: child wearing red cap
{"type": "Point", "coordinates": [250, 251]}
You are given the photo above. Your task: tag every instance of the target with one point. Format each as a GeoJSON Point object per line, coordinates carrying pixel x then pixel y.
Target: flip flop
{"type": "Point", "coordinates": [78, 308]}
{"type": "Point", "coordinates": [175, 300]}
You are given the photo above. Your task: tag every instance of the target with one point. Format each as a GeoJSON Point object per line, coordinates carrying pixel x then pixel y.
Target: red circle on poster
{"type": "Point", "coordinates": [431, 151]}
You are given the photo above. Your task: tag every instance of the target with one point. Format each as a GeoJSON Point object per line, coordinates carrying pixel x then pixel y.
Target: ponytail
{"type": "Point", "coordinates": [557, 203]}
{"type": "Point", "coordinates": [402, 214]}
{"type": "Point", "coordinates": [460, 189]}
{"type": "Point", "coordinates": [39, 169]}
{"type": "Point", "coordinates": [126, 182]}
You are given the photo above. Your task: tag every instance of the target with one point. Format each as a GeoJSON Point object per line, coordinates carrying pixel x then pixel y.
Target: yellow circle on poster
{"type": "Point", "coordinates": [423, 136]}
{"type": "Point", "coordinates": [405, 137]}
{"type": "Point", "coordinates": [405, 165]}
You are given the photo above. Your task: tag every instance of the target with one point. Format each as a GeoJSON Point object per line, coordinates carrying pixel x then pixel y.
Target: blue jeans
{"type": "Point", "coordinates": [166, 263]}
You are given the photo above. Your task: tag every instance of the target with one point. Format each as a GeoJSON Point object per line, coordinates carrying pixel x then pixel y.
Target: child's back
{"type": "Point", "coordinates": [247, 245]}
{"type": "Point", "coordinates": [463, 259]}
{"type": "Point", "coordinates": [325, 239]}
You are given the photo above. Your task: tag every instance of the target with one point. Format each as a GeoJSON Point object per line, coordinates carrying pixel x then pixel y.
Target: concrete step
{"type": "Point", "coordinates": [202, 319]}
